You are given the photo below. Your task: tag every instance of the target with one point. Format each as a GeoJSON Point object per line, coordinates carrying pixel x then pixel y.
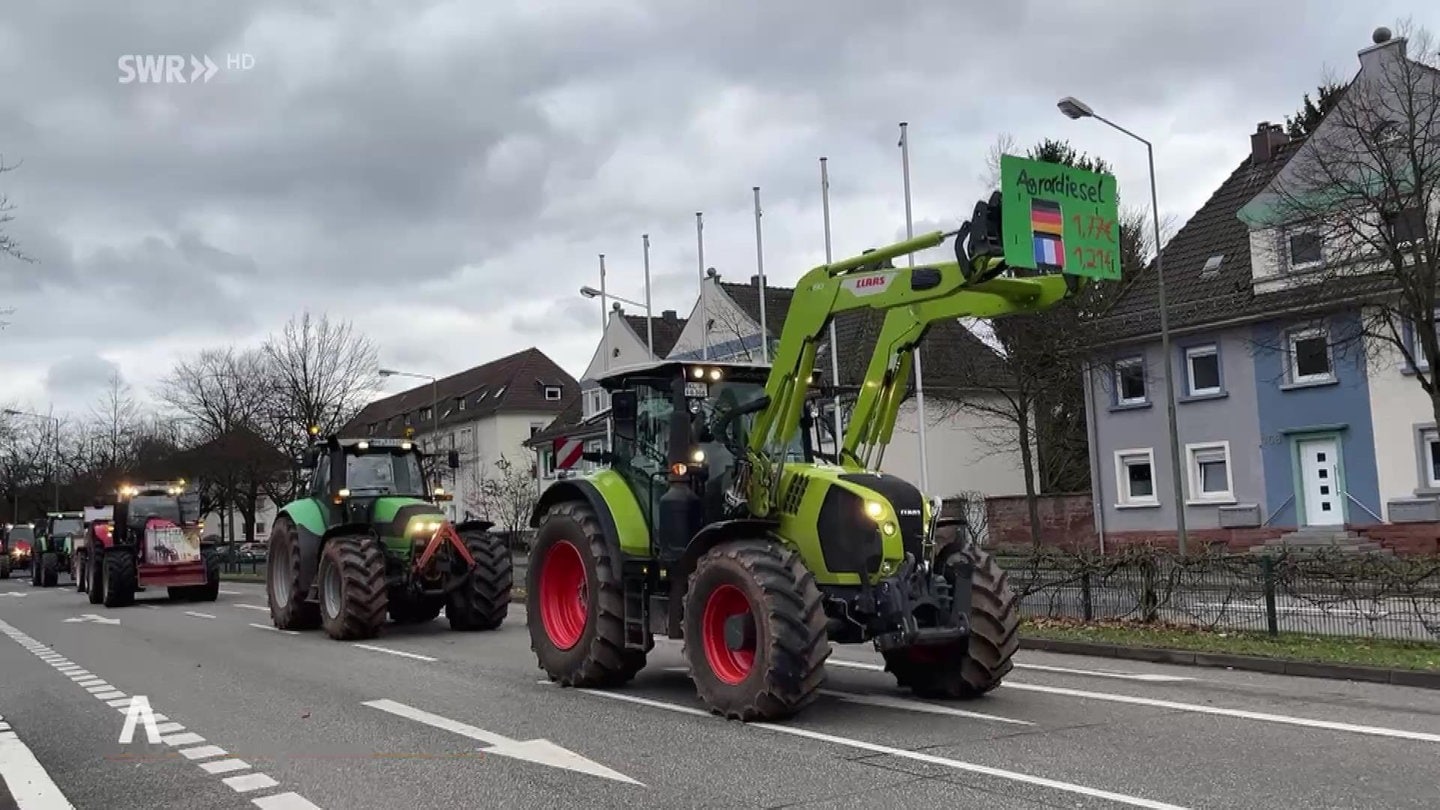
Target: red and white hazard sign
{"type": "Point", "coordinates": [567, 453]}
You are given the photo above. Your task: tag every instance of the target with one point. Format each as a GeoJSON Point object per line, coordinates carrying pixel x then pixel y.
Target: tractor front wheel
{"type": "Point", "coordinates": [49, 569]}
{"type": "Point", "coordinates": [575, 602]}
{"type": "Point", "coordinates": [119, 578]}
{"type": "Point", "coordinates": [283, 590]}
{"type": "Point", "coordinates": [353, 598]}
{"type": "Point", "coordinates": [482, 602]}
{"type": "Point", "coordinates": [755, 631]}
{"type": "Point", "coordinates": [967, 670]}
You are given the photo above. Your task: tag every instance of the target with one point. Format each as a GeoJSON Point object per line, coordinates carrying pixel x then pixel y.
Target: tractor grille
{"type": "Point", "coordinates": [905, 499]}
{"type": "Point", "coordinates": [794, 494]}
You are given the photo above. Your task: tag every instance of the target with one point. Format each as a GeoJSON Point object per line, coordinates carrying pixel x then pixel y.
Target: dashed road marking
{"type": "Point", "coordinates": [284, 801]}
{"type": "Point", "coordinates": [197, 614]}
{"type": "Point", "coordinates": [252, 607]}
{"type": "Point", "coordinates": [224, 766]}
{"type": "Point", "coordinates": [232, 593]}
{"type": "Point", "coordinates": [29, 784]}
{"type": "Point", "coordinates": [401, 653]}
{"type": "Point", "coordinates": [249, 782]}
{"type": "Point", "coordinates": [275, 629]}
{"type": "Point", "coordinates": [203, 752]}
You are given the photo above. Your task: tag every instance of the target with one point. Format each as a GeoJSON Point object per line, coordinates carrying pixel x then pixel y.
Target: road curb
{"type": "Point", "coordinates": [1250, 663]}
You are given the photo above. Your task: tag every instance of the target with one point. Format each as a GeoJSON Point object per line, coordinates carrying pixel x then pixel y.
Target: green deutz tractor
{"type": "Point", "coordinates": [54, 543]}
{"type": "Point", "coordinates": [368, 540]}
{"type": "Point", "coordinates": [720, 522]}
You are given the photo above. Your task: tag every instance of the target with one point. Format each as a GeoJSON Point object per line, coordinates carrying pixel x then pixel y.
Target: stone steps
{"type": "Point", "coordinates": [1316, 540]}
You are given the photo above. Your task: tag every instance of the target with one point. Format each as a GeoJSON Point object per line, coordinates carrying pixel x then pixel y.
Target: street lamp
{"type": "Point", "coordinates": [434, 395]}
{"type": "Point", "coordinates": [1075, 109]}
{"type": "Point", "coordinates": [54, 448]}
{"type": "Point", "coordinates": [591, 292]}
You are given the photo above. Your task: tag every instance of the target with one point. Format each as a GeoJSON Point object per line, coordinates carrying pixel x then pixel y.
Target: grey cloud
{"type": "Point", "coordinates": [79, 375]}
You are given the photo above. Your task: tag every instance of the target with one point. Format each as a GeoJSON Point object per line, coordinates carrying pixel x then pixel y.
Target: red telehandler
{"type": "Point", "coordinates": [152, 541]}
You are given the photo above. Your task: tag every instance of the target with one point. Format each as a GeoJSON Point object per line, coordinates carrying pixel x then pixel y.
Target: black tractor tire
{"type": "Point", "coordinates": [966, 671]}
{"type": "Point", "coordinates": [786, 665]}
{"type": "Point", "coordinates": [79, 571]}
{"type": "Point", "coordinates": [288, 608]}
{"type": "Point", "coordinates": [4, 565]}
{"type": "Point", "coordinates": [415, 610]}
{"type": "Point", "coordinates": [49, 569]}
{"type": "Point", "coordinates": [35, 570]}
{"type": "Point", "coordinates": [585, 648]}
{"type": "Point", "coordinates": [353, 596]}
{"type": "Point", "coordinates": [484, 600]}
{"type": "Point", "coordinates": [95, 576]}
{"type": "Point", "coordinates": [210, 591]}
{"type": "Point", "coordinates": [119, 578]}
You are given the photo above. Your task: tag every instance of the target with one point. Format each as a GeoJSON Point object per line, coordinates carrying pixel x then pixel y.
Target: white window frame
{"type": "Point", "coordinates": [1123, 460]}
{"type": "Point", "coordinates": [1120, 388]}
{"type": "Point", "coordinates": [1290, 259]}
{"type": "Point", "coordinates": [1192, 352]}
{"type": "Point", "coordinates": [1428, 438]}
{"type": "Point", "coordinates": [1207, 451]}
{"type": "Point", "coordinates": [556, 390]}
{"type": "Point", "coordinates": [1306, 334]}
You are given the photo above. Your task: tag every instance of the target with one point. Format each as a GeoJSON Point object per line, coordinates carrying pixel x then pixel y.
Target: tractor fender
{"type": "Point", "coordinates": [345, 528]}
{"type": "Point", "coordinates": [576, 490]}
{"type": "Point", "coordinates": [950, 548]}
{"type": "Point", "coordinates": [474, 525]}
{"type": "Point", "coordinates": [705, 540]}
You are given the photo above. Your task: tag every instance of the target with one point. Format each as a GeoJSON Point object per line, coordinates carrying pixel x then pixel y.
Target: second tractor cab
{"type": "Point", "coordinates": [54, 544]}
{"type": "Point", "coordinates": [17, 541]}
{"type": "Point", "coordinates": [91, 517]}
{"type": "Point", "coordinates": [368, 539]}
{"type": "Point", "coordinates": [152, 540]}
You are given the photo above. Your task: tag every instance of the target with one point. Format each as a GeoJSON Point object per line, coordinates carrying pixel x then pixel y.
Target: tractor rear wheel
{"type": "Point", "coordinates": [78, 571]}
{"type": "Point", "coordinates": [967, 670]}
{"type": "Point", "coordinates": [415, 610]}
{"type": "Point", "coordinates": [95, 576]}
{"type": "Point", "coordinates": [288, 608]}
{"type": "Point", "coordinates": [353, 597]}
{"type": "Point", "coordinates": [482, 602]}
{"type": "Point", "coordinates": [755, 631]}
{"type": "Point", "coordinates": [49, 569]}
{"type": "Point", "coordinates": [575, 602]}
{"type": "Point", "coordinates": [119, 578]}
{"type": "Point", "coordinates": [210, 591]}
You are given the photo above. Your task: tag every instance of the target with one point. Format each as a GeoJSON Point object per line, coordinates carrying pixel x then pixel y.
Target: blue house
{"type": "Point", "coordinates": [1282, 425]}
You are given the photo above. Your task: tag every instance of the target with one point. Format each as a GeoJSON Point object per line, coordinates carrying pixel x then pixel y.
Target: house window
{"type": "Point", "coordinates": [1135, 477]}
{"type": "Point", "coordinates": [1202, 366]}
{"type": "Point", "coordinates": [1408, 228]}
{"type": "Point", "coordinates": [1306, 250]}
{"type": "Point", "coordinates": [1130, 381]}
{"type": "Point", "coordinates": [1210, 472]}
{"type": "Point", "coordinates": [372, 429]}
{"type": "Point", "coordinates": [425, 414]}
{"type": "Point", "coordinates": [460, 403]}
{"type": "Point", "coordinates": [536, 427]}
{"type": "Point", "coordinates": [1310, 356]}
{"type": "Point", "coordinates": [547, 462]}
{"type": "Point", "coordinates": [552, 393]}
{"type": "Point", "coordinates": [594, 446]}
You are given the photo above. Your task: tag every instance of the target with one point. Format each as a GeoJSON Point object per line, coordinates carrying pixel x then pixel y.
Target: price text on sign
{"type": "Point", "coordinates": [1059, 219]}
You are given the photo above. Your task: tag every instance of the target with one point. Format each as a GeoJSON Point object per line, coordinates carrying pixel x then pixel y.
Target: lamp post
{"type": "Point", "coordinates": [591, 292]}
{"type": "Point", "coordinates": [1075, 109]}
{"type": "Point", "coordinates": [54, 449]}
{"type": "Point", "coordinates": [434, 396]}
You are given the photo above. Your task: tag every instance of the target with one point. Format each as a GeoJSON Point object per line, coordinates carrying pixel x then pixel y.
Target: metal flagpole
{"type": "Point", "coordinates": [834, 345]}
{"type": "Point", "coordinates": [704, 315]}
{"type": "Point", "coordinates": [604, 312]}
{"type": "Point", "coordinates": [649, 320]}
{"type": "Point", "coordinates": [760, 269]}
{"type": "Point", "coordinates": [919, 378]}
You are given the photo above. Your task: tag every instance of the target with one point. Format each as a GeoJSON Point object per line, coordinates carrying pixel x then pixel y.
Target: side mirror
{"type": "Point", "coordinates": [453, 459]}
{"type": "Point", "coordinates": [623, 410]}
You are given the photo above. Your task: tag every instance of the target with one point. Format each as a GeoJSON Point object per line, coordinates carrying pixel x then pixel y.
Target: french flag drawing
{"type": "Point", "coordinates": [1047, 223]}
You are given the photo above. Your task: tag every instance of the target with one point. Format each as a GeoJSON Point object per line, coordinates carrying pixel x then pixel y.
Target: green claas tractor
{"type": "Point", "coordinates": [368, 539]}
{"type": "Point", "coordinates": [720, 522]}
{"type": "Point", "coordinates": [54, 543]}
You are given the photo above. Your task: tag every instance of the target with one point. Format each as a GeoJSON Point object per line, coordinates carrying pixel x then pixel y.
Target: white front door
{"type": "Point", "coordinates": [1319, 464]}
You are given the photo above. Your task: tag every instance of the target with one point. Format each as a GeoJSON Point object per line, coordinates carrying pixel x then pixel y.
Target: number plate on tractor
{"type": "Point", "coordinates": [697, 390]}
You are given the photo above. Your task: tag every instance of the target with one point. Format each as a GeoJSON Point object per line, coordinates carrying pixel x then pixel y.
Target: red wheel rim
{"type": "Point", "coordinates": [563, 595]}
{"type": "Point", "coordinates": [730, 666]}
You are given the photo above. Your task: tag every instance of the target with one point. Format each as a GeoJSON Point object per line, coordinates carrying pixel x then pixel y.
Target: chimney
{"type": "Point", "coordinates": [755, 281]}
{"type": "Point", "coordinates": [670, 316]}
{"type": "Point", "coordinates": [1387, 49]}
{"type": "Point", "coordinates": [1266, 141]}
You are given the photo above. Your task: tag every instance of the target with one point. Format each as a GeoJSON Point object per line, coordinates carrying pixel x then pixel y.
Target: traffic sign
{"type": "Point", "coordinates": [1057, 218]}
{"type": "Point", "coordinates": [568, 452]}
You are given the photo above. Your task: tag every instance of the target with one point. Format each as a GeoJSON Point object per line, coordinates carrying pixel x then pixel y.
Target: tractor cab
{"type": "Point", "coordinates": [166, 503]}
{"type": "Point", "coordinates": [17, 542]}
{"type": "Point", "coordinates": [62, 529]}
{"type": "Point", "coordinates": [351, 476]}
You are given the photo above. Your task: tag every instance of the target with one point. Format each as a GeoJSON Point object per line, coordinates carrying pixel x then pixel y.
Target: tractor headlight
{"type": "Point", "coordinates": [874, 509]}
{"type": "Point", "coordinates": [888, 528]}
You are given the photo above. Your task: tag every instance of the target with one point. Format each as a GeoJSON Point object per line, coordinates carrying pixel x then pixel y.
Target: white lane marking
{"type": "Point", "coordinates": [188, 738]}
{"type": "Point", "coordinates": [4, 726]}
{"type": "Point", "coordinates": [395, 652]}
{"type": "Point", "coordinates": [539, 751]}
{"type": "Point", "coordinates": [888, 702]}
{"type": "Point", "coordinates": [110, 695]}
{"type": "Point", "coordinates": [840, 662]}
{"type": "Point", "coordinates": [203, 752]}
{"type": "Point", "coordinates": [169, 728]}
{"type": "Point", "coordinates": [284, 801]}
{"type": "Point", "coordinates": [1068, 787]}
{"type": "Point", "coordinates": [252, 607]}
{"type": "Point", "coordinates": [224, 766]}
{"type": "Point", "coordinates": [232, 593]}
{"type": "Point", "coordinates": [99, 687]}
{"type": "Point", "coordinates": [275, 629]}
{"type": "Point", "coordinates": [90, 681]}
{"type": "Point", "coordinates": [1243, 714]}
{"type": "Point", "coordinates": [122, 704]}
{"type": "Point", "coordinates": [91, 618]}
{"type": "Point", "coordinates": [249, 782]}
{"type": "Point", "coordinates": [70, 669]}
{"type": "Point", "coordinates": [29, 784]}
{"type": "Point", "coordinates": [1102, 673]}
{"type": "Point", "coordinates": [197, 614]}
{"type": "Point", "coordinates": [150, 607]}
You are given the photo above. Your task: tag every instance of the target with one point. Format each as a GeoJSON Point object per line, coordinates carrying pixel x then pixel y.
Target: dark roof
{"type": "Point", "coordinates": [513, 383]}
{"type": "Point", "coordinates": [747, 297]}
{"type": "Point", "coordinates": [666, 329]}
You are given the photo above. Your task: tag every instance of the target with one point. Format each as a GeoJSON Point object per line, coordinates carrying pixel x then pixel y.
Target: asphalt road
{"type": "Point", "coordinates": [423, 717]}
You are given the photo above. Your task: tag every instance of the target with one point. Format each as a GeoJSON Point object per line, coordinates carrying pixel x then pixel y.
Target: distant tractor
{"type": "Point", "coordinates": [80, 549]}
{"type": "Point", "coordinates": [368, 539]}
{"type": "Point", "coordinates": [53, 547]}
{"type": "Point", "coordinates": [153, 541]}
{"type": "Point", "coordinates": [18, 542]}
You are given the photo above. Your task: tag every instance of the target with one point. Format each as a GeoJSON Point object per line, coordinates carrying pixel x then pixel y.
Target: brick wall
{"type": "Point", "coordinates": [1404, 538]}
{"type": "Point", "coordinates": [1066, 521]}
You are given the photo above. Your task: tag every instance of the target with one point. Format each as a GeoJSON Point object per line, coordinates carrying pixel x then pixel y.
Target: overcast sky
{"type": "Point", "coordinates": [445, 173]}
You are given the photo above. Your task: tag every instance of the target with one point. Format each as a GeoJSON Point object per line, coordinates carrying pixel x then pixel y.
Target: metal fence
{"type": "Point", "coordinates": [1372, 595]}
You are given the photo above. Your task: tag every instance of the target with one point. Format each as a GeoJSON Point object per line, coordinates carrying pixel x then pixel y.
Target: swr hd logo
{"type": "Point", "coordinates": [172, 68]}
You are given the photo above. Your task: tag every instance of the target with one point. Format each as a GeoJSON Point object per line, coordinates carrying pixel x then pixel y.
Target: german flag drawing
{"type": "Point", "coordinates": [1047, 224]}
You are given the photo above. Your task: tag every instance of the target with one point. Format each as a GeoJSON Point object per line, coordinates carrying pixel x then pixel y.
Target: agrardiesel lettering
{"type": "Point", "coordinates": [1063, 186]}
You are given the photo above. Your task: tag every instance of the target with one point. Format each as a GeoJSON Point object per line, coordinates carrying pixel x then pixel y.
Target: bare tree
{"type": "Point", "coordinates": [114, 420]}
{"type": "Point", "coordinates": [8, 245]}
{"type": "Point", "coordinates": [505, 497]}
{"type": "Point", "coordinates": [318, 373]}
{"type": "Point", "coordinates": [1358, 203]}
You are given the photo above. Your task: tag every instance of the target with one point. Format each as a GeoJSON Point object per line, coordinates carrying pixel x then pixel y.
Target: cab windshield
{"type": "Point", "coordinates": [67, 526]}
{"type": "Point", "coordinates": [384, 474]}
{"type": "Point", "coordinates": [22, 533]}
{"type": "Point", "coordinates": [144, 507]}
{"type": "Point", "coordinates": [725, 398]}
